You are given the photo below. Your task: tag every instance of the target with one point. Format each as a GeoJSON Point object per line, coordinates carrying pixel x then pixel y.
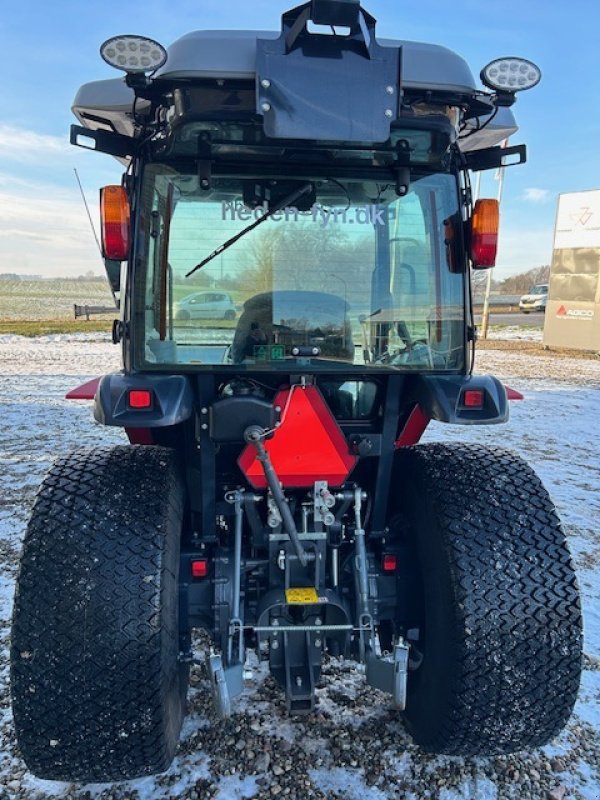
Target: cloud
{"type": "Point", "coordinates": [43, 223]}
{"type": "Point", "coordinates": [19, 144]}
{"type": "Point", "coordinates": [44, 229]}
{"type": "Point", "coordinates": [26, 154]}
{"type": "Point", "coordinates": [533, 195]}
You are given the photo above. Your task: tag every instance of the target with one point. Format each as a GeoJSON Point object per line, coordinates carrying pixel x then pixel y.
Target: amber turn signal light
{"type": "Point", "coordinates": [114, 214]}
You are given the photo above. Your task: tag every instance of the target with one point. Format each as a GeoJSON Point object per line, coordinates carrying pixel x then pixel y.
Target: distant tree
{"type": "Point", "coordinates": [521, 283]}
{"type": "Point", "coordinates": [293, 258]}
{"type": "Point", "coordinates": [262, 252]}
{"type": "Point", "coordinates": [200, 279]}
{"type": "Point", "coordinates": [228, 282]}
{"type": "Point", "coordinates": [479, 281]}
{"type": "Point", "coordinates": [90, 275]}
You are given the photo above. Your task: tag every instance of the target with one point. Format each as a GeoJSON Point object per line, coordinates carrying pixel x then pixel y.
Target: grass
{"type": "Point", "coordinates": [213, 324]}
{"type": "Point", "coordinates": [39, 327]}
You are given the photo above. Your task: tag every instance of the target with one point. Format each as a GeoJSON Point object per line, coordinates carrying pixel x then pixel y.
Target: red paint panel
{"type": "Point", "coordinates": [414, 428]}
{"type": "Point", "coordinates": [140, 435]}
{"type": "Point", "coordinates": [512, 394]}
{"type": "Point", "coordinates": [87, 391]}
{"type": "Point", "coordinates": [307, 446]}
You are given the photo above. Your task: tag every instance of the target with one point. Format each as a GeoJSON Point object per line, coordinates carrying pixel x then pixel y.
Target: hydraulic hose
{"type": "Point", "coordinates": [254, 435]}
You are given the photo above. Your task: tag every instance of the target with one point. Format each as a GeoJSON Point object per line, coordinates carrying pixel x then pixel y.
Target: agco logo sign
{"type": "Point", "coordinates": [582, 216]}
{"type": "Point", "coordinates": [575, 313]}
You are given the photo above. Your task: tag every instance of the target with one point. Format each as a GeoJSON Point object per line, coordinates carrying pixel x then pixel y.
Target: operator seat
{"type": "Point", "coordinates": [295, 318]}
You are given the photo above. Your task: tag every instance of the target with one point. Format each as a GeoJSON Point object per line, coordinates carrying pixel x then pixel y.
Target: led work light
{"type": "Point", "coordinates": [133, 53]}
{"type": "Point", "coordinates": [511, 74]}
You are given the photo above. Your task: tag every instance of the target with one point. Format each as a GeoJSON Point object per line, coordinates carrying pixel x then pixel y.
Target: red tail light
{"type": "Point", "coordinates": [140, 398]}
{"type": "Point", "coordinates": [199, 568]}
{"type": "Point", "coordinates": [473, 398]}
{"type": "Point", "coordinates": [114, 214]}
{"type": "Point", "coordinates": [485, 223]}
{"type": "Point", "coordinates": [389, 562]}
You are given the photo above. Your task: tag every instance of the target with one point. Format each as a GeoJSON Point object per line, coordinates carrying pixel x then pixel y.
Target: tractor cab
{"type": "Point", "coordinates": [318, 160]}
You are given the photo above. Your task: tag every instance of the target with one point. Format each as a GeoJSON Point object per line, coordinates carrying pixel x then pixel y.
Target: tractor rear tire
{"type": "Point", "coordinates": [97, 687]}
{"type": "Point", "coordinates": [501, 629]}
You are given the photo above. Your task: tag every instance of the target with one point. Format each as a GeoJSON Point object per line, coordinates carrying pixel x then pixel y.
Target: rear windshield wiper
{"type": "Point", "coordinates": [287, 201]}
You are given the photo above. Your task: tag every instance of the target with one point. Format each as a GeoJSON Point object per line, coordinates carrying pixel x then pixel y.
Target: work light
{"type": "Point", "coordinates": [511, 74]}
{"type": "Point", "coordinates": [133, 53]}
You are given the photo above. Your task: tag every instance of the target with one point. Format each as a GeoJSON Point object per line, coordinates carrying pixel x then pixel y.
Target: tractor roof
{"type": "Point", "coordinates": [232, 55]}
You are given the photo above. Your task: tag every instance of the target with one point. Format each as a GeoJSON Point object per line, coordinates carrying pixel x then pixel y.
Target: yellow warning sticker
{"type": "Point", "coordinates": [302, 596]}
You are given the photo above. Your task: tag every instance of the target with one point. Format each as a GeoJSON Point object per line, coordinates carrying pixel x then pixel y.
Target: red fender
{"type": "Point", "coordinates": [413, 429]}
{"type": "Point", "coordinates": [512, 394]}
{"type": "Point", "coordinates": [87, 391]}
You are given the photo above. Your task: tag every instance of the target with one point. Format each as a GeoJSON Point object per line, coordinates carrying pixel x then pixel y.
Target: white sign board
{"type": "Point", "coordinates": [578, 220]}
{"type": "Point", "coordinates": [573, 307]}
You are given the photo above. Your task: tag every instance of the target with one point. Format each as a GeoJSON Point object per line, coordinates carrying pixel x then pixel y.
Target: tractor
{"type": "Point", "coordinates": [291, 249]}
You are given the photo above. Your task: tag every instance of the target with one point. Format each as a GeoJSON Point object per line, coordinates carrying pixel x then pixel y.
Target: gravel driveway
{"type": "Point", "coordinates": [354, 747]}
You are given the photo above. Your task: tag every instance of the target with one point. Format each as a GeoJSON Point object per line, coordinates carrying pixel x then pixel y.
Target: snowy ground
{"type": "Point", "coordinates": [516, 332]}
{"type": "Point", "coordinates": [354, 747]}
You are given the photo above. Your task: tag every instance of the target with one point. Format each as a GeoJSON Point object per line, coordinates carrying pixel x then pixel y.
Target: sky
{"type": "Point", "coordinates": [48, 49]}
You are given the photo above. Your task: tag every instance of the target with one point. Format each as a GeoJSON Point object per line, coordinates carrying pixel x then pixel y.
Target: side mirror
{"type": "Point", "coordinates": [485, 222]}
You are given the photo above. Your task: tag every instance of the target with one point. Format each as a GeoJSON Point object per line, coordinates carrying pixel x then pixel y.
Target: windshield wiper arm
{"type": "Point", "coordinates": [291, 198]}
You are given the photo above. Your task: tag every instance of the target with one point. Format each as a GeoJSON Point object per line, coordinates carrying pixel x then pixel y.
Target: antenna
{"type": "Point", "coordinates": [88, 214]}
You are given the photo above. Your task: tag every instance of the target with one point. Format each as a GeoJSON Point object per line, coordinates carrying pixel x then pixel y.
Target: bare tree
{"type": "Point", "coordinates": [479, 280]}
{"type": "Point", "coordinates": [521, 283]}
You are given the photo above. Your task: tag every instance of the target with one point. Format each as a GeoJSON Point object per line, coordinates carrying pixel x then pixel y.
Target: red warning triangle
{"type": "Point", "coordinates": [308, 446]}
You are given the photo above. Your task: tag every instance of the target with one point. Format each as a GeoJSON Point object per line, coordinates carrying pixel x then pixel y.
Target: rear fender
{"type": "Point", "coordinates": [442, 399]}
{"type": "Point", "coordinates": [172, 401]}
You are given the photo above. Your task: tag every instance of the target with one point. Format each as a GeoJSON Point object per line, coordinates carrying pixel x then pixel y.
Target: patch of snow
{"type": "Point", "coordinates": [516, 333]}
{"type": "Point", "coordinates": [582, 784]}
{"type": "Point", "coordinates": [348, 783]}
{"type": "Point", "coordinates": [472, 789]}
{"type": "Point", "coordinates": [587, 708]}
{"type": "Point", "coordinates": [7, 592]}
{"type": "Point", "coordinates": [233, 787]}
